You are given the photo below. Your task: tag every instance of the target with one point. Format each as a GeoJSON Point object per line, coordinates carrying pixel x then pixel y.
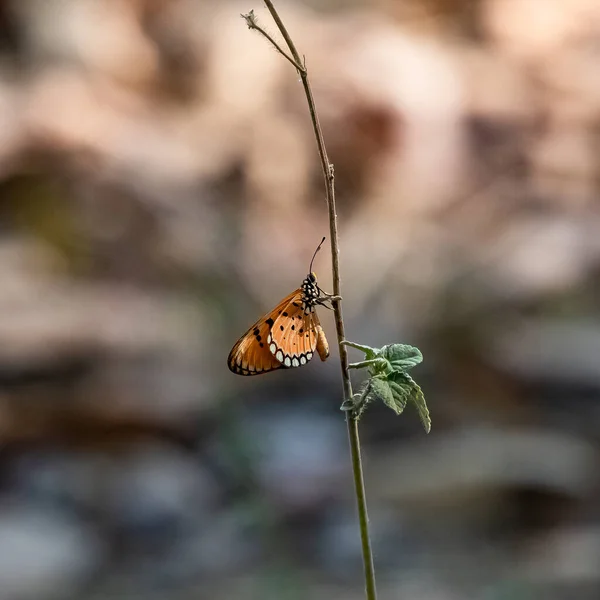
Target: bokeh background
{"type": "Point", "coordinates": [160, 189]}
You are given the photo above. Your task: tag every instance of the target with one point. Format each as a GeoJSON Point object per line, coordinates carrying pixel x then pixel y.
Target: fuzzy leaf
{"type": "Point", "coordinates": [402, 356]}
{"type": "Point", "coordinates": [379, 389]}
{"type": "Point", "coordinates": [407, 390]}
{"type": "Point", "coordinates": [401, 391]}
{"type": "Point", "coordinates": [389, 380]}
{"type": "Point", "coordinates": [418, 399]}
{"type": "Point", "coordinates": [371, 390]}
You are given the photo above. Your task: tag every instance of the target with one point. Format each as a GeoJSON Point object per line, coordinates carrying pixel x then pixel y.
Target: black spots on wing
{"type": "Point", "coordinates": [293, 327]}
{"type": "Point", "coordinates": [307, 335]}
{"type": "Point", "coordinates": [299, 317]}
{"type": "Point", "coordinates": [281, 327]}
{"type": "Point", "coordinates": [296, 304]}
{"type": "Point", "coordinates": [269, 322]}
{"type": "Point", "coordinates": [256, 331]}
{"type": "Point", "coordinates": [285, 314]}
{"type": "Point", "coordinates": [301, 330]}
{"type": "Point", "coordinates": [258, 338]}
{"type": "Point", "coordinates": [262, 345]}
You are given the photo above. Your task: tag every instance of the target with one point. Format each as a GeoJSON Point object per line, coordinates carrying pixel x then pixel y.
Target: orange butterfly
{"type": "Point", "coordinates": [287, 336]}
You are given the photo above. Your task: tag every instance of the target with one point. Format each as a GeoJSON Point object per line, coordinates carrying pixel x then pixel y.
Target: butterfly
{"type": "Point", "coordinates": [288, 336]}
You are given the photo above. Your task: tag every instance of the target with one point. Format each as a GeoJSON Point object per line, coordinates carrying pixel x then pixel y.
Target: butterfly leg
{"type": "Point", "coordinates": [329, 297]}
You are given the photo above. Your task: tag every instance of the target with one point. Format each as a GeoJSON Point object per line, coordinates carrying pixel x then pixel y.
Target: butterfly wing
{"type": "Point", "coordinates": [251, 354]}
{"type": "Point", "coordinates": [295, 335]}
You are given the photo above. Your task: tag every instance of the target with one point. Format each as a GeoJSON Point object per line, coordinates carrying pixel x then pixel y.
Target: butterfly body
{"type": "Point", "coordinates": [286, 337]}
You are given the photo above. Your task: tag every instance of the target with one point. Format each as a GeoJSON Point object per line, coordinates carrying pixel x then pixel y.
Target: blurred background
{"type": "Point", "coordinates": [160, 190]}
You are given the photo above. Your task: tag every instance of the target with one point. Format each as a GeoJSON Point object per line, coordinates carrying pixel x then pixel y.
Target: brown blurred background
{"type": "Point", "coordinates": [160, 189]}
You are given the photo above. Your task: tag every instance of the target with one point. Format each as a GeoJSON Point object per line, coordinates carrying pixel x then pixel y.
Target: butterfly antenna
{"type": "Point", "coordinates": [315, 254]}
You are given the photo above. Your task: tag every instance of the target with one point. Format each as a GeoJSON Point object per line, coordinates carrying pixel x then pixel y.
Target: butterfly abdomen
{"type": "Point", "coordinates": [322, 344]}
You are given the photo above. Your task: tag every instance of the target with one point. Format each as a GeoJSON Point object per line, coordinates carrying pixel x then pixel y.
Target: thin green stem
{"type": "Point", "coordinates": [361, 501]}
{"type": "Point", "coordinates": [328, 174]}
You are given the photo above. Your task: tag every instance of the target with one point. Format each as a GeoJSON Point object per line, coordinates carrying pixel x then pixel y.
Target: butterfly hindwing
{"type": "Point", "coordinates": [294, 335]}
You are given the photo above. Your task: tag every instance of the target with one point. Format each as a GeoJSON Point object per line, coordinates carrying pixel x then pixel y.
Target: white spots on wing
{"type": "Point", "coordinates": [273, 348]}
{"type": "Point", "coordinates": [287, 362]}
{"type": "Point", "coordinates": [269, 339]}
{"type": "Point", "coordinates": [303, 360]}
{"type": "Point", "coordinates": [295, 362]}
{"type": "Point", "coordinates": [279, 356]}
{"type": "Point", "coordinates": [309, 355]}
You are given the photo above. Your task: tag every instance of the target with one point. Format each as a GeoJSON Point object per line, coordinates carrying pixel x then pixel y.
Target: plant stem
{"type": "Point", "coordinates": [328, 174]}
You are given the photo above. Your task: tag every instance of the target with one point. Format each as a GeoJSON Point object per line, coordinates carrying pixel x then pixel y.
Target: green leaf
{"type": "Point", "coordinates": [371, 390]}
{"type": "Point", "coordinates": [389, 381]}
{"type": "Point", "coordinates": [402, 356]}
{"type": "Point", "coordinates": [397, 357]}
{"type": "Point", "coordinates": [401, 392]}
{"type": "Point", "coordinates": [348, 404]}
{"type": "Point", "coordinates": [379, 389]}
{"type": "Point", "coordinates": [418, 399]}
{"type": "Point", "coordinates": [406, 390]}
